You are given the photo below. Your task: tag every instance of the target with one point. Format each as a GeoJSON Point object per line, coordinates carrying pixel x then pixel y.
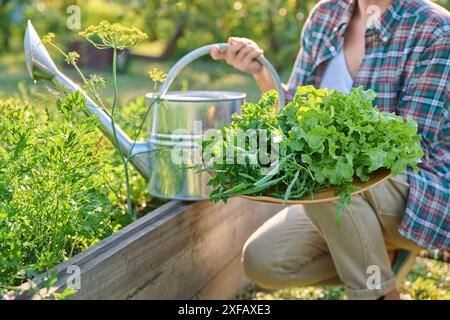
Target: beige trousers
{"type": "Point", "coordinates": [303, 246]}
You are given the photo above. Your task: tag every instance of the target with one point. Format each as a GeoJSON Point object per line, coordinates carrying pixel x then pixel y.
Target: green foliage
{"type": "Point", "coordinates": [428, 280]}
{"type": "Point", "coordinates": [320, 139]}
{"type": "Point", "coordinates": [53, 196]}
{"type": "Point", "coordinates": [61, 183]}
{"type": "Point", "coordinates": [113, 36]}
{"type": "Point", "coordinates": [9, 21]}
{"type": "Point", "coordinates": [274, 25]}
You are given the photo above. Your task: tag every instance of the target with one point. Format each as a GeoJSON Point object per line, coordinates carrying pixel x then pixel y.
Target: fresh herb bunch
{"type": "Point", "coordinates": [322, 139]}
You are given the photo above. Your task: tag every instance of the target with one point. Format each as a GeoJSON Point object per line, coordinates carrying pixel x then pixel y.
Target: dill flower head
{"type": "Point", "coordinates": [113, 35]}
{"type": "Point", "coordinates": [48, 38]}
{"type": "Point", "coordinates": [157, 75]}
{"type": "Point", "coordinates": [72, 57]}
{"type": "Point", "coordinates": [95, 82]}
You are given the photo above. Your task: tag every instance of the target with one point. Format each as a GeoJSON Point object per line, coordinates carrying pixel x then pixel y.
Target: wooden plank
{"type": "Point", "coordinates": [179, 251]}
{"type": "Point", "coordinates": [226, 284]}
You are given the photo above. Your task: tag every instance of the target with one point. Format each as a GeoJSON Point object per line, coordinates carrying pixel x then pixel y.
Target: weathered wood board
{"type": "Point", "coordinates": [179, 251]}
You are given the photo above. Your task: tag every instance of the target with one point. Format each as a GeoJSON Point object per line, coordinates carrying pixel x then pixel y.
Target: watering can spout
{"type": "Point", "coordinates": [39, 63]}
{"type": "Point", "coordinates": [41, 67]}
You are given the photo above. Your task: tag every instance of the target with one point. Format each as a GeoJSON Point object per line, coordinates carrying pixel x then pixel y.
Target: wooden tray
{"type": "Point", "coordinates": [327, 195]}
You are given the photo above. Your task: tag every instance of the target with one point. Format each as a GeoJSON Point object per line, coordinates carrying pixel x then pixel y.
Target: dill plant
{"type": "Point", "coordinates": [53, 202]}
{"type": "Point", "coordinates": [56, 176]}
{"type": "Point", "coordinates": [115, 37]}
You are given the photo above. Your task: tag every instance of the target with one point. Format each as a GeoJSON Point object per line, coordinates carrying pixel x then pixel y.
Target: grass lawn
{"type": "Point", "coordinates": [428, 280]}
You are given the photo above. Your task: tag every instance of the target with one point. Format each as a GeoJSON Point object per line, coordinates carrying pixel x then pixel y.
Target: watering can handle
{"type": "Point", "coordinates": [194, 55]}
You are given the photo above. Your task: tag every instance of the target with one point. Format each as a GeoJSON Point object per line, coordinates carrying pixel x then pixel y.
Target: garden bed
{"type": "Point", "coordinates": [178, 251]}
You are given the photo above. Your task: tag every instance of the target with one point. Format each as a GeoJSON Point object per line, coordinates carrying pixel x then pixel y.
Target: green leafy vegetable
{"type": "Point", "coordinates": [318, 140]}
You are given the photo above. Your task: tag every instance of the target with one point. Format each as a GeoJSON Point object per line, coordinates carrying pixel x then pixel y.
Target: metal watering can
{"type": "Point", "coordinates": [172, 124]}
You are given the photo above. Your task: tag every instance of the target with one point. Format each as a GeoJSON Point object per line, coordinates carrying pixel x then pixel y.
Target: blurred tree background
{"type": "Point", "coordinates": [174, 27]}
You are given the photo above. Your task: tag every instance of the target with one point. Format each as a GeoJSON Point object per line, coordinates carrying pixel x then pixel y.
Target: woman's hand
{"type": "Point", "coordinates": [242, 54]}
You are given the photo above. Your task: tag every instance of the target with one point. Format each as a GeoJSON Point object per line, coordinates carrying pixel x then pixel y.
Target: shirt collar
{"type": "Point", "coordinates": [385, 25]}
{"type": "Point", "coordinates": [391, 17]}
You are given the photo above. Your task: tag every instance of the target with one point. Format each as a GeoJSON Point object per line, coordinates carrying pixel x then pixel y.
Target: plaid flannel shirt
{"type": "Point", "coordinates": [407, 62]}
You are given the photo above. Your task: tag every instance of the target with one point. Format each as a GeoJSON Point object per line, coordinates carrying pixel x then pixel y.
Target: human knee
{"type": "Point", "coordinates": [257, 264]}
{"type": "Point", "coordinates": [268, 269]}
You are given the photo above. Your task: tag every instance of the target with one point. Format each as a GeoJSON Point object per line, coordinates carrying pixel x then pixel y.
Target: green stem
{"type": "Point", "coordinates": [141, 126]}
{"type": "Point", "coordinates": [82, 76]}
{"type": "Point", "coordinates": [93, 90]}
{"type": "Point", "coordinates": [116, 140]}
